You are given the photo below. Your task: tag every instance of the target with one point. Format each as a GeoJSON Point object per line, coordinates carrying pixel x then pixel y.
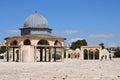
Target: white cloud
{"type": "Point", "coordinates": [12, 31]}
{"type": "Point", "coordinates": [113, 43]}
{"type": "Point", "coordinates": [69, 41]}
{"type": "Point", "coordinates": [101, 35]}
{"type": "Point", "coordinates": [67, 32]}
{"type": "Point", "coordinates": [75, 39]}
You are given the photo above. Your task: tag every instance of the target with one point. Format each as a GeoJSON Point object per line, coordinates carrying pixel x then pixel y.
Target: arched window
{"type": "Point", "coordinates": [27, 42]}
{"type": "Point", "coordinates": [14, 43]}
{"type": "Point", "coordinates": [57, 43]}
{"type": "Point", "coordinates": [43, 42]}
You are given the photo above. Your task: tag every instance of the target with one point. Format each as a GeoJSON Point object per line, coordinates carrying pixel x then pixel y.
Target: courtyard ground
{"type": "Point", "coordinates": [66, 70]}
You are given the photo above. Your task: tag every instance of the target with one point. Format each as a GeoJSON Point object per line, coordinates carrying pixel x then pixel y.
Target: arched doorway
{"type": "Point", "coordinates": [96, 54]}
{"type": "Point", "coordinates": [17, 55]}
{"type": "Point", "coordinates": [58, 52]}
{"type": "Point", "coordinates": [14, 45]}
{"type": "Point", "coordinates": [91, 54]}
{"type": "Point", "coordinates": [85, 54]}
{"type": "Point", "coordinates": [69, 55]}
{"type": "Point", "coordinates": [42, 46]}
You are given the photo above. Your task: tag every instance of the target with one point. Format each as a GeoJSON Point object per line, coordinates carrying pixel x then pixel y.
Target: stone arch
{"type": "Point", "coordinates": [27, 42]}
{"type": "Point", "coordinates": [57, 43]}
{"type": "Point", "coordinates": [77, 52]}
{"type": "Point", "coordinates": [13, 43]}
{"type": "Point", "coordinates": [88, 52]}
{"type": "Point", "coordinates": [43, 42]}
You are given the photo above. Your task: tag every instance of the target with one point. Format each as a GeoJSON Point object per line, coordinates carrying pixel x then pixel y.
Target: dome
{"type": "Point", "coordinates": [36, 21]}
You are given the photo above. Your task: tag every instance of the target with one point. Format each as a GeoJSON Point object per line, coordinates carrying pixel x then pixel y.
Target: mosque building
{"type": "Point", "coordinates": [35, 43]}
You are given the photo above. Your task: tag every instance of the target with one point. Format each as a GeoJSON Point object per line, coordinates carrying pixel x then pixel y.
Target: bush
{"type": "Point", "coordinates": [68, 55]}
{"type": "Point", "coordinates": [117, 53]}
{"type": "Point", "coordinates": [1, 57]}
{"type": "Point", "coordinates": [58, 56]}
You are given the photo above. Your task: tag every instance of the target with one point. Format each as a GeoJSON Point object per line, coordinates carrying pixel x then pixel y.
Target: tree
{"type": "Point", "coordinates": [102, 45]}
{"type": "Point", "coordinates": [3, 49]}
{"type": "Point", "coordinates": [117, 53]}
{"type": "Point", "coordinates": [78, 44]}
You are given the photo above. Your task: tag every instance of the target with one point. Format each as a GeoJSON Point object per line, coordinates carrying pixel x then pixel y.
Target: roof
{"type": "Point", "coordinates": [36, 21]}
{"type": "Point", "coordinates": [37, 36]}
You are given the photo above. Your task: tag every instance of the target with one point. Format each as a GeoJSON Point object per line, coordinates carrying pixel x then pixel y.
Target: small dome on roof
{"type": "Point", "coordinates": [35, 21]}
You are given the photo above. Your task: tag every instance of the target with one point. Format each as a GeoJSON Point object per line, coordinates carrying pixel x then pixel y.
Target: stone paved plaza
{"type": "Point", "coordinates": [66, 70]}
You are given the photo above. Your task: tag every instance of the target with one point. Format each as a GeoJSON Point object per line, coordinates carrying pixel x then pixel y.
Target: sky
{"type": "Point", "coordinates": [96, 21]}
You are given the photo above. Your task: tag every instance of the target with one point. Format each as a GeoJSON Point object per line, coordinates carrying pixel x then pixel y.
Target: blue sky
{"type": "Point", "coordinates": [97, 21]}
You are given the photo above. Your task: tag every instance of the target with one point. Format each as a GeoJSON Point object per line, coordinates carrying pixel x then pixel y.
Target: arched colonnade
{"type": "Point", "coordinates": [27, 51]}
{"type": "Point", "coordinates": [85, 53]}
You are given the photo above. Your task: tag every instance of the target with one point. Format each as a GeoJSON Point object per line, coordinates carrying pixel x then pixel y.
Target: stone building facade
{"type": "Point", "coordinates": [35, 43]}
{"type": "Point", "coordinates": [88, 53]}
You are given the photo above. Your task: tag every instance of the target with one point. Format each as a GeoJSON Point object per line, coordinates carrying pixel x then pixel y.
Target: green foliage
{"type": "Point", "coordinates": [58, 56]}
{"type": "Point", "coordinates": [78, 44]}
{"type": "Point", "coordinates": [97, 55]}
{"type": "Point", "coordinates": [64, 54]}
{"type": "Point", "coordinates": [68, 55]}
{"type": "Point", "coordinates": [91, 55]}
{"type": "Point", "coordinates": [1, 57]}
{"type": "Point", "coordinates": [117, 53]}
{"type": "Point", "coordinates": [3, 49]}
{"type": "Point", "coordinates": [85, 54]}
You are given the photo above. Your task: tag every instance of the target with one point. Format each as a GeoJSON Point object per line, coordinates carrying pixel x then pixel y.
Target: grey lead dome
{"type": "Point", "coordinates": [36, 21]}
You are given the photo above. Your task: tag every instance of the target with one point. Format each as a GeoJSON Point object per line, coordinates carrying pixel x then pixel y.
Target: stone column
{"type": "Point", "coordinates": [66, 54]}
{"type": "Point", "coordinates": [100, 53]}
{"type": "Point", "coordinates": [51, 53]}
{"type": "Point", "coordinates": [55, 54]}
{"type": "Point", "coordinates": [35, 57]}
{"type": "Point", "coordinates": [45, 55]}
{"type": "Point", "coordinates": [79, 54]}
{"type": "Point", "coordinates": [13, 54]}
{"type": "Point", "coordinates": [94, 55]}
{"type": "Point", "coordinates": [8, 55]}
{"type": "Point", "coordinates": [62, 54]}
{"type": "Point", "coordinates": [41, 54]}
{"type": "Point", "coordinates": [88, 55]}
{"type": "Point", "coordinates": [71, 55]}
{"type": "Point", "coordinates": [82, 55]}
{"type": "Point", "coordinates": [19, 54]}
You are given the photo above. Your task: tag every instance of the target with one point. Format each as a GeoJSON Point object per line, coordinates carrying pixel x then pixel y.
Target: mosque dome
{"type": "Point", "coordinates": [36, 21]}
